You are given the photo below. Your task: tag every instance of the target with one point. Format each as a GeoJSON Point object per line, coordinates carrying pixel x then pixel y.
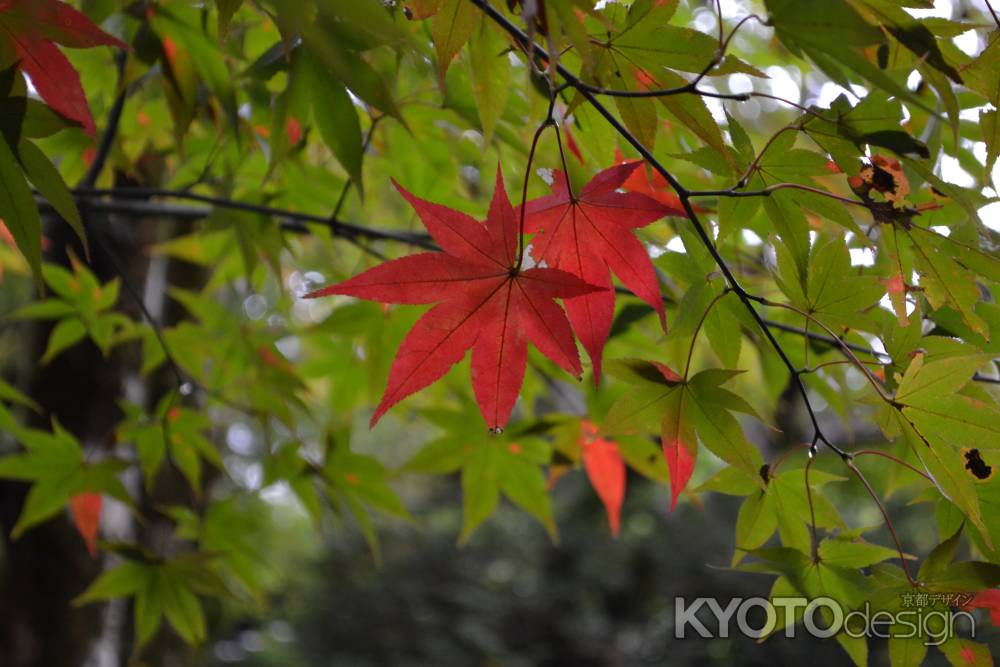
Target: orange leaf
{"type": "Point", "coordinates": [86, 510]}
{"type": "Point", "coordinates": [606, 469]}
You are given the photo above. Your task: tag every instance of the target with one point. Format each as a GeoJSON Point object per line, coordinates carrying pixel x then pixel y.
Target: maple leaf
{"type": "Point", "coordinates": [884, 175]}
{"type": "Point", "coordinates": [602, 459]}
{"type": "Point", "coordinates": [485, 301]}
{"type": "Point", "coordinates": [86, 510]}
{"type": "Point", "coordinates": [684, 412]}
{"type": "Point", "coordinates": [680, 445]}
{"type": "Point", "coordinates": [31, 30]}
{"type": "Point", "coordinates": [589, 235]}
{"type": "Point", "coordinates": [655, 186]}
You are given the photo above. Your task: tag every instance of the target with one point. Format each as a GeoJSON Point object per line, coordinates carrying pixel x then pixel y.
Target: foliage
{"type": "Point", "coordinates": [766, 247]}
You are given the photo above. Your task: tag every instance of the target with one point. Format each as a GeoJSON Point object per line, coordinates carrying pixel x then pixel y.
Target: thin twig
{"type": "Point", "coordinates": [110, 131]}
{"type": "Point", "coordinates": [718, 16]}
{"type": "Point", "coordinates": [527, 174]}
{"type": "Point", "coordinates": [784, 100]}
{"type": "Point", "coordinates": [847, 351]}
{"type": "Point", "coordinates": [787, 453]}
{"type": "Point", "coordinates": [766, 192]}
{"type": "Point", "coordinates": [836, 362]}
{"type": "Point", "coordinates": [342, 199]}
{"type": "Point", "coordinates": [133, 292]}
{"type": "Point", "coordinates": [690, 88]}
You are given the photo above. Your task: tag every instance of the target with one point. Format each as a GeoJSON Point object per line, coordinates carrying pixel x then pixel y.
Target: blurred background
{"type": "Point", "coordinates": [512, 596]}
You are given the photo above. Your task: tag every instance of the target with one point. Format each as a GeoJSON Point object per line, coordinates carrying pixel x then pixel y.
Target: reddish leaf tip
{"type": "Point", "coordinates": [323, 291]}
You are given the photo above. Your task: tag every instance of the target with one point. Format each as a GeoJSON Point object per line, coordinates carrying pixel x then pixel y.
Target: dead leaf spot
{"type": "Point", "coordinates": [976, 466]}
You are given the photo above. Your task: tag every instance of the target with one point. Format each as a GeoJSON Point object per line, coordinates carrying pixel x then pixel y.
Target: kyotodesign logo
{"type": "Point", "coordinates": [927, 616]}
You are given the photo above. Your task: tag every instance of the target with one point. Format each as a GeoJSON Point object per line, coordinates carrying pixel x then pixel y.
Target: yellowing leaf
{"type": "Point", "coordinates": [452, 26]}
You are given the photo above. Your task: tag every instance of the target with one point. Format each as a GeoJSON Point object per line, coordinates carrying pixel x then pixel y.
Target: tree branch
{"type": "Point", "coordinates": [131, 202]}
{"type": "Point", "coordinates": [996, 19]}
{"type": "Point", "coordinates": [685, 197]}
{"type": "Point", "coordinates": [134, 203]}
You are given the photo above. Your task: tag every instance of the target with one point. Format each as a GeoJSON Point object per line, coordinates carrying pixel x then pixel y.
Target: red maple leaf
{"type": "Point", "coordinates": [680, 448]}
{"type": "Point", "coordinates": [604, 465]}
{"type": "Point", "coordinates": [31, 29]}
{"type": "Point", "coordinates": [485, 301]}
{"type": "Point", "coordinates": [589, 235]}
{"type": "Point", "coordinates": [988, 599]}
{"type": "Point", "coordinates": [86, 510]}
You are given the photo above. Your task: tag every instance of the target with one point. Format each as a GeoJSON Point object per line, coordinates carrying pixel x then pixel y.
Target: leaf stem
{"type": "Point", "coordinates": [814, 538]}
{"type": "Point", "coordinates": [787, 453]}
{"type": "Point", "coordinates": [549, 121]}
{"type": "Point", "coordinates": [342, 199]}
{"type": "Point", "coordinates": [885, 516]}
{"type": "Point", "coordinates": [846, 350]}
{"type": "Point", "coordinates": [836, 362]}
{"type": "Point", "coordinates": [697, 330]}
{"type": "Point", "coordinates": [748, 173]}
{"type": "Point", "coordinates": [690, 88]}
{"type": "Point", "coordinates": [899, 461]}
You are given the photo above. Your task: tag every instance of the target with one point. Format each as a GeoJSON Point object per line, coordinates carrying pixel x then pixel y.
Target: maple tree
{"type": "Point", "coordinates": [773, 236]}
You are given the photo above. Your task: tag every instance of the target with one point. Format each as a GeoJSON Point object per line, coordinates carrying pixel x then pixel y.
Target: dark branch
{"type": "Point", "coordinates": [996, 19]}
{"type": "Point", "coordinates": [110, 131]}
{"type": "Point", "coordinates": [134, 201]}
